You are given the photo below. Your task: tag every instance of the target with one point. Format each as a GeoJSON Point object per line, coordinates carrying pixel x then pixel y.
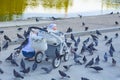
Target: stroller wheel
{"type": "Point", "coordinates": [38, 57]}
{"type": "Point", "coordinates": [66, 56]}
{"type": "Point", "coordinates": [56, 62]}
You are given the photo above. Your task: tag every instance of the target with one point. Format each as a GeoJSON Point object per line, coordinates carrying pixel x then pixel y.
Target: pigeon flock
{"type": "Point", "coordinates": [92, 57]}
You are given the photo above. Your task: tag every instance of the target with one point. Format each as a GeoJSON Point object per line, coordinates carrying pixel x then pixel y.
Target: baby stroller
{"type": "Point", "coordinates": [52, 45]}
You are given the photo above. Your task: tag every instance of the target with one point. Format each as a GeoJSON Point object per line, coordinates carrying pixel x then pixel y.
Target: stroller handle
{"type": "Point", "coordinates": [42, 29]}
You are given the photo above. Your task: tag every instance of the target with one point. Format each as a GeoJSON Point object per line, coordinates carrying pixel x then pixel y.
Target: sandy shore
{"type": "Point", "coordinates": [93, 22]}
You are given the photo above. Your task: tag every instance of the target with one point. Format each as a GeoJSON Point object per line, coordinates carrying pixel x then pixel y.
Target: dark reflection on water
{"type": "Point", "coordinates": [14, 9]}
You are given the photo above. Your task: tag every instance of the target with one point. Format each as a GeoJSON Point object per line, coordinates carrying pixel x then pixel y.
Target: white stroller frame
{"type": "Point", "coordinates": [60, 45]}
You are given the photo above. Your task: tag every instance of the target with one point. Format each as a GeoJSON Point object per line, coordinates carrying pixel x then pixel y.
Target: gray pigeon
{"type": "Point", "coordinates": [67, 67]}
{"type": "Point", "coordinates": [20, 36]}
{"type": "Point", "coordinates": [5, 46]}
{"type": "Point", "coordinates": [17, 75]}
{"type": "Point", "coordinates": [1, 71]}
{"type": "Point", "coordinates": [109, 41]}
{"type": "Point", "coordinates": [83, 78]}
{"type": "Point", "coordinates": [116, 35]}
{"type": "Point", "coordinates": [97, 60]}
{"type": "Point", "coordinates": [113, 62]}
{"type": "Point", "coordinates": [22, 64]}
{"type": "Point", "coordinates": [97, 68]}
{"type": "Point", "coordinates": [105, 37]}
{"type": "Point", "coordinates": [9, 58]}
{"type": "Point", "coordinates": [13, 62]}
{"type": "Point", "coordinates": [63, 74]}
{"type": "Point", "coordinates": [34, 66]}
{"type": "Point", "coordinates": [47, 70]}
{"type": "Point", "coordinates": [7, 38]}
{"type": "Point", "coordinates": [69, 30]}
{"type": "Point", "coordinates": [90, 63]}
{"type": "Point", "coordinates": [84, 59]}
{"type": "Point", "coordinates": [98, 32]}
{"type": "Point", "coordinates": [25, 71]}
{"type": "Point", "coordinates": [105, 57]}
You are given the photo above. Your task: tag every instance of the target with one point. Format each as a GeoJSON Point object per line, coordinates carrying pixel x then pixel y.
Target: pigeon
{"type": "Point", "coordinates": [53, 18]}
{"type": "Point", "coordinates": [109, 41]}
{"type": "Point", "coordinates": [19, 29]}
{"type": "Point", "coordinates": [94, 36]}
{"type": "Point", "coordinates": [53, 79]}
{"type": "Point", "coordinates": [84, 59]}
{"type": "Point", "coordinates": [69, 30]}
{"type": "Point", "coordinates": [116, 35]}
{"type": "Point", "coordinates": [47, 70]}
{"type": "Point", "coordinates": [25, 33]}
{"type": "Point", "coordinates": [5, 46]}
{"type": "Point", "coordinates": [34, 66]}
{"type": "Point", "coordinates": [9, 58]}
{"type": "Point", "coordinates": [1, 32]}
{"type": "Point", "coordinates": [117, 12]}
{"type": "Point", "coordinates": [77, 61]}
{"type": "Point", "coordinates": [77, 42]}
{"type": "Point", "coordinates": [97, 68]}
{"type": "Point", "coordinates": [86, 41]}
{"type": "Point", "coordinates": [17, 75]}
{"type": "Point", "coordinates": [98, 32]}
{"type": "Point", "coordinates": [97, 60]}
{"type": "Point", "coordinates": [19, 36]}
{"type": "Point", "coordinates": [80, 16]}
{"type": "Point", "coordinates": [13, 62]}
{"type": "Point", "coordinates": [111, 12]}
{"type": "Point", "coordinates": [83, 49]}
{"type": "Point", "coordinates": [83, 78]}
{"type": "Point", "coordinates": [67, 67]}
{"type": "Point", "coordinates": [116, 23]}
{"type": "Point", "coordinates": [63, 74]}
{"type": "Point", "coordinates": [68, 44]}
{"type": "Point", "coordinates": [112, 48]}
{"type": "Point", "coordinates": [22, 64]}
{"type": "Point", "coordinates": [76, 55]}
{"type": "Point", "coordinates": [90, 63]}
{"type": "Point", "coordinates": [72, 37]}
{"type": "Point", "coordinates": [111, 52]}
{"type": "Point", "coordinates": [37, 20]}
{"type": "Point", "coordinates": [1, 71]}
{"type": "Point", "coordinates": [96, 42]}
{"type": "Point", "coordinates": [25, 71]}
{"type": "Point", "coordinates": [105, 57]}
{"type": "Point", "coordinates": [83, 23]}
{"type": "Point", "coordinates": [7, 38]}
{"type": "Point", "coordinates": [105, 37]}
{"type": "Point", "coordinates": [86, 28]}
{"type": "Point", "coordinates": [113, 62]}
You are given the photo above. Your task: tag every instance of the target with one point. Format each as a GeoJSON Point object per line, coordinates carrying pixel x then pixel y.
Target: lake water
{"type": "Point", "coordinates": [22, 9]}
